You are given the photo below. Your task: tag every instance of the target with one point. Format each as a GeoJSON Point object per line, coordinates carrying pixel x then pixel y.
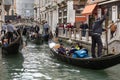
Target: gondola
{"type": "Point", "coordinates": [36, 40]}
{"type": "Point", "coordinates": [89, 63]}
{"type": "Point", "coordinates": [46, 37]}
{"type": "Point", "coordinates": [14, 47]}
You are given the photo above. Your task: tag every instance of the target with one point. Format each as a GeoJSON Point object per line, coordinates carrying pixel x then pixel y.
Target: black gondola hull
{"type": "Point", "coordinates": [14, 47]}
{"type": "Point", "coordinates": [92, 63]}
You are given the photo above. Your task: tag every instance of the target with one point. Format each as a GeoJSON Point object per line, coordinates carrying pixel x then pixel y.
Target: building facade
{"type": "Point", "coordinates": [1, 13]}
{"type": "Point", "coordinates": [25, 8]}
{"type": "Point", "coordinates": [13, 8]}
{"type": "Point", "coordinates": [61, 11]}
{"type": "Point", "coordinates": [1, 10]}
{"type": "Point", "coordinates": [10, 7]}
{"type": "Point", "coordinates": [49, 12]}
{"type": "Point", "coordinates": [37, 10]}
{"type": "Point", "coordinates": [113, 7]}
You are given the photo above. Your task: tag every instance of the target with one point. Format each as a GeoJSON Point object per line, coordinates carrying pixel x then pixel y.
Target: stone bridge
{"type": "Point", "coordinates": [25, 23]}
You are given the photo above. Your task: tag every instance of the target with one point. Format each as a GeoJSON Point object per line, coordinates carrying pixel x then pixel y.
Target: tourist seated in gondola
{"type": "Point", "coordinates": [4, 40]}
{"type": "Point", "coordinates": [71, 51]}
{"type": "Point", "coordinates": [32, 35]}
{"type": "Point", "coordinates": [62, 50]}
{"type": "Point", "coordinates": [74, 48]}
{"type": "Point", "coordinates": [83, 53]}
{"type": "Point", "coordinates": [78, 46]}
{"type": "Point", "coordinates": [37, 35]}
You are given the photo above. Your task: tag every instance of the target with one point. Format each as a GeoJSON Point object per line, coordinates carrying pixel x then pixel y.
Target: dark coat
{"type": "Point", "coordinates": [97, 25]}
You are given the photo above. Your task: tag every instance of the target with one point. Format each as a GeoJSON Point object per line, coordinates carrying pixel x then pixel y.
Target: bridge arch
{"type": "Point", "coordinates": [25, 23]}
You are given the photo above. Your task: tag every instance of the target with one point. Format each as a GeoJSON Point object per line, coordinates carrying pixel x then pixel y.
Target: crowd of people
{"type": "Point", "coordinates": [32, 32]}
{"type": "Point", "coordinates": [69, 26]}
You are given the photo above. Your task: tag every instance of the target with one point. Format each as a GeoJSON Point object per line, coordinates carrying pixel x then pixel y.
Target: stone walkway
{"type": "Point", "coordinates": [113, 46]}
{"type": "Point", "coordinates": [84, 39]}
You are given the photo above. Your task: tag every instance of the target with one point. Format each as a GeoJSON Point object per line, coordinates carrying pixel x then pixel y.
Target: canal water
{"type": "Point", "coordinates": [35, 63]}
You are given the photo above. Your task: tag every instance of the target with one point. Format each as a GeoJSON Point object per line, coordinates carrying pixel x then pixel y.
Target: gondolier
{"type": "Point", "coordinates": [46, 27]}
{"type": "Point", "coordinates": [96, 35]}
{"type": "Point", "coordinates": [10, 30]}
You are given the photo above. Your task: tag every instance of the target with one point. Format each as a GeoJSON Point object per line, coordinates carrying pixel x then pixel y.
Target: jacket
{"type": "Point", "coordinates": [97, 26]}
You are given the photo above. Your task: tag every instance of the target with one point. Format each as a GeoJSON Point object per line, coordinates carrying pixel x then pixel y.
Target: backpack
{"type": "Point", "coordinates": [113, 27]}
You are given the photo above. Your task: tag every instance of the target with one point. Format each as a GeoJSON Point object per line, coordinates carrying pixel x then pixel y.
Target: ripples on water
{"type": "Point", "coordinates": [36, 63]}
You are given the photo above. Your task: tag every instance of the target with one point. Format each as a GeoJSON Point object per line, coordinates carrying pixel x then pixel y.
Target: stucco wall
{"type": "Point", "coordinates": [70, 12]}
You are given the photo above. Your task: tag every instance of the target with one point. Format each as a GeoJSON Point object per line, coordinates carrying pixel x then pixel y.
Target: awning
{"type": "Point", "coordinates": [89, 9]}
{"type": "Point", "coordinates": [80, 19]}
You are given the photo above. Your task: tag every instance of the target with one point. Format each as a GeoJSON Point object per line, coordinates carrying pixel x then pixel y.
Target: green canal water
{"type": "Point", "coordinates": [35, 63]}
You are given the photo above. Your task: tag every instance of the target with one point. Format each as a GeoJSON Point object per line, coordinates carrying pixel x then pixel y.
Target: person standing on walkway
{"type": "Point", "coordinates": [96, 35]}
{"type": "Point", "coordinates": [84, 26]}
{"type": "Point", "coordinates": [113, 28]}
{"type": "Point", "coordinates": [57, 30]}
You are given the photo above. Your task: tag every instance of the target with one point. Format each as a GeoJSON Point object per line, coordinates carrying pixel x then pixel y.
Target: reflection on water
{"type": "Point", "coordinates": [36, 63]}
{"type": "Point", "coordinates": [13, 64]}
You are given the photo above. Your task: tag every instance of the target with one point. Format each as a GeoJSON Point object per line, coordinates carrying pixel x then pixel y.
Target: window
{"type": "Point", "coordinates": [119, 11]}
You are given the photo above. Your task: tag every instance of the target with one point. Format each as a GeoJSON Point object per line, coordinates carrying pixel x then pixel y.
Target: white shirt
{"type": "Point", "coordinates": [10, 28]}
{"type": "Point", "coordinates": [46, 25]}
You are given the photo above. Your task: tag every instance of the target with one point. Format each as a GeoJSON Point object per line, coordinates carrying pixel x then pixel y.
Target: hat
{"type": "Point", "coordinates": [61, 44]}
{"type": "Point", "coordinates": [73, 47]}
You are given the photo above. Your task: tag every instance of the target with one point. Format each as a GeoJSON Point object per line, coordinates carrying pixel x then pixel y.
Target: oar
{"type": "Point", "coordinates": [106, 26]}
{"type": "Point", "coordinates": [107, 41]}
